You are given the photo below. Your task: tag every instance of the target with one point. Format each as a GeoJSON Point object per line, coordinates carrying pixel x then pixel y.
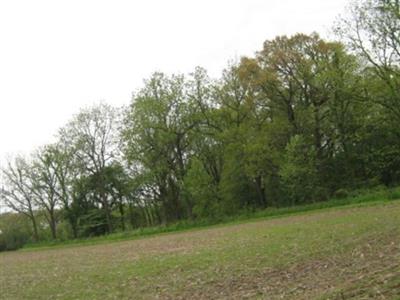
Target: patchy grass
{"type": "Point", "coordinates": [347, 253]}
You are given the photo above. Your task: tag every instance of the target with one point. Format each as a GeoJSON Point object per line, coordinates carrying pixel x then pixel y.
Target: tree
{"type": "Point", "coordinates": [95, 144]}
{"type": "Point", "coordinates": [303, 86]}
{"type": "Point", "coordinates": [157, 138]}
{"type": "Point", "coordinates": [203, 179]}
{"type": "Point", "coordinates": [372, 29]}
{"type": "Point", "coordinates": [59, 158]}
{"type": "Point", "coordinates": [44, 186]}
{"type": "Point", "coordinates": [17, 192]}
{"type": "Point", "coordinates": [235, 98]}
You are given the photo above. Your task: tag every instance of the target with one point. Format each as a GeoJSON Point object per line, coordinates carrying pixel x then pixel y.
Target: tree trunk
{"type": "Point", "coordinates": [108, 213]}
{"type": "Point", "coordinates": [317, 133]}
{"type": "Point", "coordinates": [71, 218]}
{"type": "Point", "coordinates": [131, 218]}
{"type": "Point", "coordinates": [53, 226]}
{"type": "Point", "coordinates": [122, 212]}
{"type": "Point", "coordinates": [260, 191]}
{"type": "Point", "coordinates": [72, 221]}
{"type": "Point", "coordinates": [35, 229]}
{"type": "Point", "coordinates": [147, 216]}
{"type": "Point", "coordinates": [74, 230]}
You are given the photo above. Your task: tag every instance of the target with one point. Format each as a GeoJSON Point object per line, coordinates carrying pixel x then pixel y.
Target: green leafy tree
{"type": "Point", "coordinates": [158, 136]}
{"type": "Point", "coordinates": [372, 29]}
{"type": "Point", "coordinates": [95, 143]}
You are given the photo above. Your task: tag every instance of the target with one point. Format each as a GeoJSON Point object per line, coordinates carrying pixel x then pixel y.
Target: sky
{"type": "Point", "coordinates": [58, 56]}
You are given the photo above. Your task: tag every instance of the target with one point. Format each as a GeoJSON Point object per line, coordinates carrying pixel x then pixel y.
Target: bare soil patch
{"type": "Point", "coordinates": [351, 253]}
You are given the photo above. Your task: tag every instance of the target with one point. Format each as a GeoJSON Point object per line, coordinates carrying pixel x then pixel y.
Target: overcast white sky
{"type": "Point", "coordinates": [58, 56]}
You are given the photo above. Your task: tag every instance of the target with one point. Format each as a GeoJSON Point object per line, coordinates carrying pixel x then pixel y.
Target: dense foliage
{"type": "Point", "coordinates": [303, 120]}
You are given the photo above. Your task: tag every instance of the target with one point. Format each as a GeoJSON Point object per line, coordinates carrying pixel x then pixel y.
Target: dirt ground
{"type": "Point", "coordinates": [284, 258]}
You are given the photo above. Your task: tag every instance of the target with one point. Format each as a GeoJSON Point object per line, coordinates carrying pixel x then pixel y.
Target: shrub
{"type": "Point", "coordinates": [341, 194]}
{"type": "Point", "coordinates": [14, 232]}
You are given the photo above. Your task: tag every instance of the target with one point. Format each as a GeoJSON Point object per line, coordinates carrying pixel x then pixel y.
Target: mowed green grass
{"type": "Point", "coordinates": [337, 253]}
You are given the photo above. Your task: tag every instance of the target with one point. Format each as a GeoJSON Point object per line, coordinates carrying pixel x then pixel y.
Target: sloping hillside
{"type": "Point", "coordinates": [341, 253]}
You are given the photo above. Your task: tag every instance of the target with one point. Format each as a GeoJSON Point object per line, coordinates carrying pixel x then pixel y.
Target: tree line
{"type": "Point", "coordinates": [303, 120]}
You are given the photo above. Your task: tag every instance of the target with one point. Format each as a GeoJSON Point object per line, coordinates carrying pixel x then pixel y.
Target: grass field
{"type": "Point", "coordinates": [336, 253]}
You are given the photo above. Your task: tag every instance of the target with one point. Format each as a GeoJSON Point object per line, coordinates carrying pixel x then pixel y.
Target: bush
{"type": "Point", "coordinates": [394, 194]}
{"type": "Point", "coordinates": [341, 194]}
{"type": "Point", "coordinates": [299, 172]}
{"type": "Point", "coordinates": [14, 232]}
{"type": "Point", "coordinates": [13, 240]}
